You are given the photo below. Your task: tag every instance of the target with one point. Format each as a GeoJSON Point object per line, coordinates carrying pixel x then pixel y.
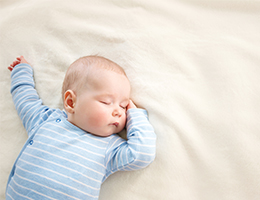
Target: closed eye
{"type": "Point", "coordinates": [105, 102]}
{"type": "Point", "coordinates": [124, 107]}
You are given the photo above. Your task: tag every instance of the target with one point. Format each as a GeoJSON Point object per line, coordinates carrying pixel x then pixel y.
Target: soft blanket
{"type": "Point", "coordinates": [194, 66]}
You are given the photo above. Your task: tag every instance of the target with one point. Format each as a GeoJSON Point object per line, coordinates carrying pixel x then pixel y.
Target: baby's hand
{"type": "Point", "coordinates": [18, 60]}
{"type": "Point", "coordinates": [130, 105]}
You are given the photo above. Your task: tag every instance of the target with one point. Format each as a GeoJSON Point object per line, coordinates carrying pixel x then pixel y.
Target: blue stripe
{"type": "Point", "coordinates": [61, 161]}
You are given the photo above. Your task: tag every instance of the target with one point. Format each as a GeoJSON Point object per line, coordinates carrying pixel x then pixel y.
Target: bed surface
{"type": "Point", "coordinates": [193, 65]}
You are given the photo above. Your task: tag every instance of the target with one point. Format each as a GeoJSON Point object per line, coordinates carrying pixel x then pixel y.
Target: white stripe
{"type": "Point", "coordinates": [58, 174]}
{"type": "Point", "coordinates": [32, 113]}
{"type": "Point", "coordinates": [22, 83]}
{"type": "Point", "coordinates": [129, 122]}
{"type": "Point", "coordinates": [30, 190]}
{"type": "Point", "coordinates": [61, 141]}
{"type": "Point", "coordinates": [75, 139]}
{"type": "Point", "coordinates": [23, 66]}
{"type": "Point", "coordinates": [137, 112]}
{"type": "Point", "coordinates": [146, 154]}
{"type": "Point", "coordinates": [42, 186]}
{"type": "Point", "coordinates": [138, 128]}
{"type": "Point", "coordinates": [95, 138]}
{"type": "Point", "coordinates": [56, 182]}
{"type": "Point", "coordinates": [62, 167]}
{"type": "Point", "coordinates": [126, 156]}
{"type": "Point", "coordinates": [138, 166]}
{"type": "Point", "coordinates": [9, 194]}
{"type": "Point", "coordinates": [129, 162]}
{"type": "Point", "coordinates": [72, 132]}
{"type": "Point", "coordinates": [19, 78]}
{"type": "Point", "coordinates": [28, 109]}
{"type": "Point", "coordinates": [29, 75]}
{"type": "Point", "coordinates": [143, 145]}
{"type": "Point", "coordinates": [86, 135]}
{"type": "Point", "coordinates": [118, 138]}
{"type": "Point", "coordinates": [41, 118]}
{"type": "Point", "coordinates": [20, 93]}
{"type": "Point", "coordinates": [20, 111]}
{"type": "Point", "coordinates": [143, 132]}
{"type": "Point", "coordinates": [121, 157]}
{"type": "Point", "coordinates": [21, 102]}
{"type": "Point", "coordinates": [112, 151]}
{"type": "Point", "coordinates": [71, 152]}
{"type": "Point", "coordinates": [72, 161]}
{"type": "Point", "coordinates": [143, 161]}
{"type": "Point", "coordinates": [129, 168]}
{"type": "Point", "coordinates": [136, 115]}
{"type": "Point", "coordinates": [145, 138]}
{"type": "Point", "coordinates": [116, 159]}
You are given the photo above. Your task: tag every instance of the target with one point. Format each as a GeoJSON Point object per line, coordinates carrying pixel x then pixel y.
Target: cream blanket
{"type": "Point", "coordinates": [194, 65]}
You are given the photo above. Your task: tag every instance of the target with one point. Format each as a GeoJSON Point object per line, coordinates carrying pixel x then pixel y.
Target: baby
{"type": "Point", "coordinates": [69, 154]}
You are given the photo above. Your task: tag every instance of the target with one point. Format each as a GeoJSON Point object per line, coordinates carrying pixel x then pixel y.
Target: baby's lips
{"type": "Point", "coordinates": [115, 124]}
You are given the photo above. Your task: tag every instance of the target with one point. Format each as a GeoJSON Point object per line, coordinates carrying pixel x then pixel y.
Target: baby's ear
{"type": "Point", "coordinates": [69, 101]}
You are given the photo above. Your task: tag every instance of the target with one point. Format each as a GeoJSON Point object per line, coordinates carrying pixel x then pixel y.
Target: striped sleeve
{"type": "Point", "coordinates": [138, 151]}
{"type": "Point", "coordinates": [27, 102]}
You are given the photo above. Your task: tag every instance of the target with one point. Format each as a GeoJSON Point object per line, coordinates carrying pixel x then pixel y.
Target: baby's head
{"type": "Point", "coordinates": [96, 93]}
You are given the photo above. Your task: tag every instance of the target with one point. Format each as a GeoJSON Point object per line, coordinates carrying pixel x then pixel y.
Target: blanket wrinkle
{"type": "Point", "coordinates": [192, 64]}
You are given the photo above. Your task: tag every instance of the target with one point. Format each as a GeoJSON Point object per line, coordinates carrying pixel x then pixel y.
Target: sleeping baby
{"type": "Point", "coordinates": [69, 153]}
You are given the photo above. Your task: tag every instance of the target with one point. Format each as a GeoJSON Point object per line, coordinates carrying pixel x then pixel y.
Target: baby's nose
{"type": "Point", "coordinates": [117, 113]}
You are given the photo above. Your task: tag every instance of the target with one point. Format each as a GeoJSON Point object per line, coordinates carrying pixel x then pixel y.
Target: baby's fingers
{"type": "Point", "coordinates": [16, 62]}
{"type": "Point", "coordinates": [131, 105]}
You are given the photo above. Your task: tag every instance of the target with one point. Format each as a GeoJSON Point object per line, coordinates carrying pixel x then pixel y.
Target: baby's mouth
{"type": "Point", "coordinates": [115, 124]}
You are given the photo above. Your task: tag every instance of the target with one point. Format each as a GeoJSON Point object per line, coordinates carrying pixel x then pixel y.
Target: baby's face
{"type": "Point", "coordinates": [101, 108]}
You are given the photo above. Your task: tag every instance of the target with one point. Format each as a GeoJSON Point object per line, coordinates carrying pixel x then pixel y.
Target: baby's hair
{"type": "Point", "coordinates": [77, 74]}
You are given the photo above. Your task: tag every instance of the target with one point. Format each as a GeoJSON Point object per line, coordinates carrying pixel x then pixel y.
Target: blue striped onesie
{"type": "Point", "coordinates": [60, 160]}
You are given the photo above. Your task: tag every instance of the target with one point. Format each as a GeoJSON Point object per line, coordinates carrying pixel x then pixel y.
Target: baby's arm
{"type": "Point", "coordinates": [139, 150]}
{"type": "Point", "coordinates": [27, 102]}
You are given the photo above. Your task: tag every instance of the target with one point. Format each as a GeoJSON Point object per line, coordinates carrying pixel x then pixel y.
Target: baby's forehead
{"type": "Point", "coordinates": [109, 82]}
{"type": "Point", "coordinates": [106, 95]}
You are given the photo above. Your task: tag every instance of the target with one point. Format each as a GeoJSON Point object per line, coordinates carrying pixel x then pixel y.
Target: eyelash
{"type": "Point", "coordinates": [123, 107]}
{"type": "Point", "coordinates": [108, 103]}
{"type": "Point", "coordinates": [104, 102]}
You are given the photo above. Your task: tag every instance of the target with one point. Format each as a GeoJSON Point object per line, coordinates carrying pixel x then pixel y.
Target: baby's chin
{"type": "Point", "coordinates": [119, 130]}
{"type": "Point", "coordinates": [104, 134]}
{"type": "Point", "coordinates": [109, 131]}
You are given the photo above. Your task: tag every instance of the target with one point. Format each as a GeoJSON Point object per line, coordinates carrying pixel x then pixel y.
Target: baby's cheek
{"type": "Point", "coordinates": [99, 118]}
{"type": "Point", "coordinates": [123, 120]}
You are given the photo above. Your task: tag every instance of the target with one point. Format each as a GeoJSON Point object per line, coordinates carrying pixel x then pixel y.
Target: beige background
{"type": "Point", "coordinates": [194, 65]}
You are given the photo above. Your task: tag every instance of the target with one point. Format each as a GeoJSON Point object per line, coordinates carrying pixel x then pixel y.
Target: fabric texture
{"type": "Point", "coordinates": [193, 65]}
{"type": "Point", "coordinates": [61, 161]}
